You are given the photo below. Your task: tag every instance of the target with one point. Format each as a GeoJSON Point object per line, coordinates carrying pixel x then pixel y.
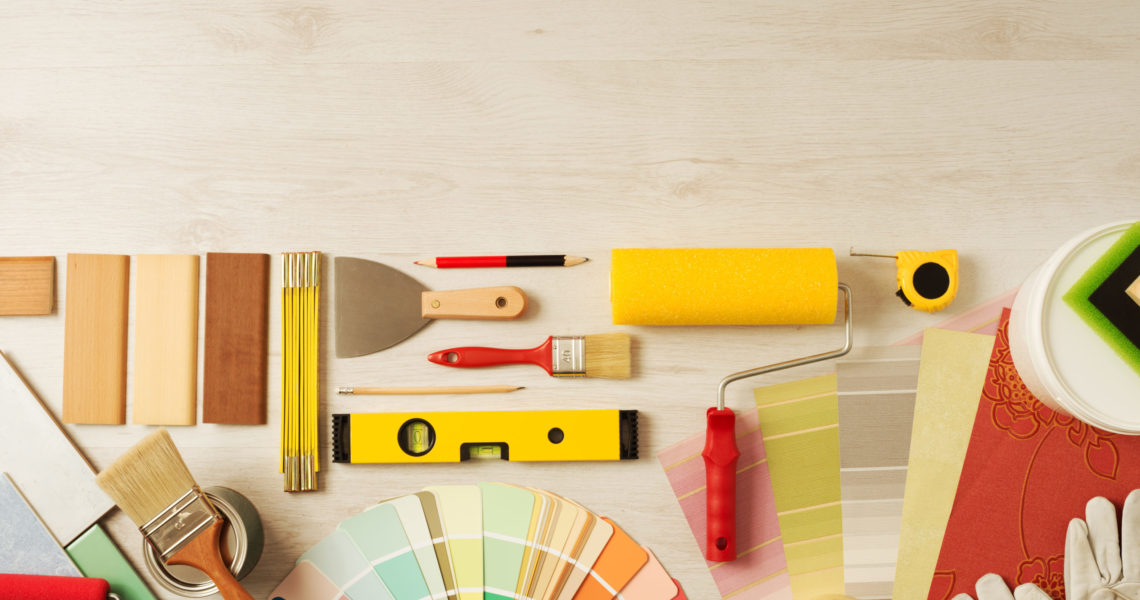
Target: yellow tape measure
{"type": "Point", "coordinates": [928, 281]}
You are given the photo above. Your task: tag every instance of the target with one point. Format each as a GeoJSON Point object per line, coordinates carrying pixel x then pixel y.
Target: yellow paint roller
{"type": "Point", "coordinates": [723, 286]}
{"type": "Point", "coordinates": [727, 286]}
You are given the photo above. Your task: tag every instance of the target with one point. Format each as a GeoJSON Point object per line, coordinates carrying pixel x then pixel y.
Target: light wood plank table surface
{"type": "Point", "coordinates": [399, 131]}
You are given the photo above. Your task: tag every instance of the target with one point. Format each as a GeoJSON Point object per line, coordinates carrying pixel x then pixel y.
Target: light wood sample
{"type": "Point", "coordinates": [27, 285]}
{"type": "Point", "coordinates": [235, 363]}
{"type": "Point", "coordinates": [95, 339]}
{"type": "Point", "coordinates": [166, 340]}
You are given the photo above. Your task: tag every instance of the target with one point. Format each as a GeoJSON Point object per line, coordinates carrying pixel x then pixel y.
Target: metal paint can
{"type": "Point", "coordinates": [242, 538]}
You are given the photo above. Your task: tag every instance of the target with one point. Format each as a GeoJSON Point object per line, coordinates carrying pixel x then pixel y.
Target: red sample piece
{"type": "Point", "coordinates": [1028, 471]}
{"type": "Point", "coordinates": [50, 587]}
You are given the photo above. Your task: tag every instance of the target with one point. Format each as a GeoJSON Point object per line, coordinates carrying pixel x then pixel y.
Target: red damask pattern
{"type": "Point", "coordinates": [1019, 413]}
{"type": "Point", "coordinates": [1028, 471]}
{"type": "Point", "coordinates": [1048, 574]}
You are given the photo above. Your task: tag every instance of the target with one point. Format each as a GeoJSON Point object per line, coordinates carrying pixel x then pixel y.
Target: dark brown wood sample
{"type": "Point", "coordinates": [237, 321]}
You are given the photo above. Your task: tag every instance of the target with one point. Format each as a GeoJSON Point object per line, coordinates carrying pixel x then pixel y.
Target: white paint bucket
{"type": "Point", "coordinates": [1059, 357]}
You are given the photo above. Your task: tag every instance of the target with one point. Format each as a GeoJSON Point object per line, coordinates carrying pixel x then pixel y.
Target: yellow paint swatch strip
{"type": "Point", "coordinates": [801, 441]}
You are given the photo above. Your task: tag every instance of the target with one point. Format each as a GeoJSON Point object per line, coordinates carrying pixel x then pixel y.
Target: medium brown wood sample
{"type": "Point", "coordinates": [237, 319]}
{"type": "Point", "coordinates": [95, 339]}
{"type": "Point", "coordinates": [27, 285]}
{"type": "Point", "coordinates": [166, 340]}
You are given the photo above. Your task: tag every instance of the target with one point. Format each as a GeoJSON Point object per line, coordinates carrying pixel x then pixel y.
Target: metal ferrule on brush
{"type": "Point", "coordinates": [568, 356]}
{"type": "Point", "coordinates": [170, 530]}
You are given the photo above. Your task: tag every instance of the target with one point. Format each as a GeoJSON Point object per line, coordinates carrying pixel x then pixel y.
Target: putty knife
{"type": "Point", "coordinates": [378, 307]}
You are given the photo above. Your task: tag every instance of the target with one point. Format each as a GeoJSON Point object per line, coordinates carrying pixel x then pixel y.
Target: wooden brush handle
{"type": "Point", "coordinates": [204, 553]}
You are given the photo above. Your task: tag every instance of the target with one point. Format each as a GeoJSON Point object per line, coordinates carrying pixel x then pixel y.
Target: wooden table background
{"type": "Point", "coordinates": [397, 131]}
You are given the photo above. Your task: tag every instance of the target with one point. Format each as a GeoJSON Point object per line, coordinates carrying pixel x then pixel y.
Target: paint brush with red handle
{"type": "Point", "coordinates": [605, 355]}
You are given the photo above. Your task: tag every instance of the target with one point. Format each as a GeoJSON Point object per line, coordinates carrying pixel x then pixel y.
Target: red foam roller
{"type": "Point", "coordinates": [51, 587]}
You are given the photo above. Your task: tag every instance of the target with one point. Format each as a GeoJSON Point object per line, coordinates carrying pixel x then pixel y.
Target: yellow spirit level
{"type": "Point", "coordinates": [928, 281]}
{"type": "Point", "coordinates": [438, 437]}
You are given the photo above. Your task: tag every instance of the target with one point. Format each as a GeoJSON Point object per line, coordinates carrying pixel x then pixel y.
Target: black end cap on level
{"type": "Point", "coordinates": [341, 439]}
{"type": "Point", "coordinates": [627, 425]}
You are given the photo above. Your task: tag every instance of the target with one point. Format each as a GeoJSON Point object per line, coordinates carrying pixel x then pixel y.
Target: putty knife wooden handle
{"type": "Point", "coordinates": [489, 303]}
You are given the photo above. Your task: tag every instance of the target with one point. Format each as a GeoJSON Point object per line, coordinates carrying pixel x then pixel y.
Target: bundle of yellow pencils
{"type": "Point", "coordinates": [300, 315]}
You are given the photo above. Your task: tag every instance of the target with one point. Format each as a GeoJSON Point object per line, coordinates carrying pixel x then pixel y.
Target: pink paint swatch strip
{"type": "Point", "coordinates": [760, 571]}
{"type": "Point", "coordinates": [982, 318]}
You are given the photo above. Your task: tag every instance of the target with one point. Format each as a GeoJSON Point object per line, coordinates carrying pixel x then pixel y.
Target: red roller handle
{"type": "Point", "coordinates": [50, 587]}
{"type": "Point", "coordinates": [720, 456]}
{"type": "Point", "coordinates": [478, 356]}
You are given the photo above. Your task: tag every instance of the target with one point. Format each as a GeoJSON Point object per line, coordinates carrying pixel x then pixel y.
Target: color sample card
{"type": "Point", "coordinates": [44, 463]}
{"type": "Point", "coordinates": [621, 559]}
{"type": "Point", "coordinates": [379, 535]}
{"type": "Point", "coordinates": [554, 545]}
{"type": "Point", "coordinates": [592, 548]}
{"type": "Point", "coordinates": [97, 556]}
{"type": "Point", "coordinates": [411, 513]}
{"type": "Point", "coordinates": [1028, 471]}
{"type": "Point", "coordinates": [650, 583]}
{"type": "Point", "coordinates": [476, 541]}
{"type": "Point", "coordinates": [306, 582]}
{"type": "Point", "coordinates": [800, 421]}
{"type": "Point", "coordinates": [541, 539]}
{"type": "Point", "coordinates": [26, 546]}
{"type": "Point", "coordinates": [876, 387]}
{"type": "Point", "coordinates": [506, 521]}
{"type": "Point", "coordinates": [760, 571]}
{"type": "Point", "coordinates": [438, 541]}
{"type": "Point", "coordinates": [950, 378]}
{"type": "Point", "coordinates": [539, 522]}
{"type": "Point", "coordinates": [461, 510]}
{"type": "Point", "coordinates": [579, 533]}
{"type": "Point", "coordinates": [339, 559]}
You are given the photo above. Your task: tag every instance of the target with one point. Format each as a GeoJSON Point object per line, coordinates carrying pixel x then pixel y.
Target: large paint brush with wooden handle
{"type": "Point", "coordinates": [151, 483]}
{"type": "Point", "coordinates": [727, 286]}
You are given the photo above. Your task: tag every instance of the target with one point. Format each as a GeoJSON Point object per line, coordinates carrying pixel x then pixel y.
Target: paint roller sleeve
{"type": "Point", "coordinates": [723, 286]}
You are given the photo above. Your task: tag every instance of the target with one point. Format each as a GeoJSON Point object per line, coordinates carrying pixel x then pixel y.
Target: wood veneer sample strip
{"type": "Point", "coordinates": [27, 285]}
{"type": "Point", "coordinates": [237, 322]}
{"type": "Point", "coordinates": [95, 339]}
{"type": "Point", "coordinates": [166, 340]}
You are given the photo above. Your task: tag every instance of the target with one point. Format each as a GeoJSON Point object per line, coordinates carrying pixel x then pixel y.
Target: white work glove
{"type": "Point", "coordinates": [1098, 566]}
{"type": "Point", "coordinates": [992, 587]}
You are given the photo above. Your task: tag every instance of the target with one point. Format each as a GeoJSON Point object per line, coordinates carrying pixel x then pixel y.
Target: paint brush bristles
{"type": "Point", "coordinates": [148, 478]}
{"type": "Point", "coordinates": [607, 356]}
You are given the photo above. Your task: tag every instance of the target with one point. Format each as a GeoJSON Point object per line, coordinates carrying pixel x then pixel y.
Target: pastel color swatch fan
{"type": "Point", "coordinates": [491, 541]}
